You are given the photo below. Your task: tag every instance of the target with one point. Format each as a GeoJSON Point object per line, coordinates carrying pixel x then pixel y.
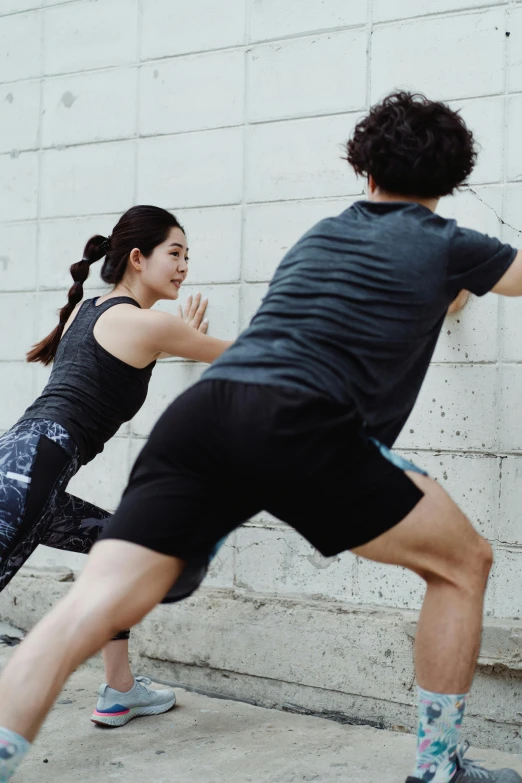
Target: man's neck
{"type": "Point", "coordinates": [383, 196]}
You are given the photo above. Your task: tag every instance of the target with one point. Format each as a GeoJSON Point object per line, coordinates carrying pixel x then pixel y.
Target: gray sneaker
{"type": "Point", "coordinates": [469, 771]}
{"type": "Point", "coordinates": [115, 708]}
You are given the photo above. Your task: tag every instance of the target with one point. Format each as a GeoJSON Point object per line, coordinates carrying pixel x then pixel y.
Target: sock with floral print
{"type": "Point", "coordinates": [440, 721]}
{"type": "Point", "coordinates": [13, 748]}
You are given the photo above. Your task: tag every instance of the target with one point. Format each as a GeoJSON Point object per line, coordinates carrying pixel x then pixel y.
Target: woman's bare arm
{"type": "Point", "coordinates": [169, 335]}
{"type": "Point", "coordinates": [139, 337]}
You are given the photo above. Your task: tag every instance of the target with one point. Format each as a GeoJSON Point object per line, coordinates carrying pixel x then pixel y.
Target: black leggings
{"type": "Point", "coordinates": [38, 458]}
{"type": "Point", "coordinates": [37, 461]}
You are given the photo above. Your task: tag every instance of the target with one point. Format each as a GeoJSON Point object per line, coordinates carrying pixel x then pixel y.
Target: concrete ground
{"type": "Point", "coordinates": [206, 740]}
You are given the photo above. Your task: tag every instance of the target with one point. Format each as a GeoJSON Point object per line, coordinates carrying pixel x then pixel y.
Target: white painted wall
{"type": "Point", "coordinates": [233, 114]}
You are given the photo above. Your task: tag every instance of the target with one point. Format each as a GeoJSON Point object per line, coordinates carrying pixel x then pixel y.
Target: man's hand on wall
{"type": "Point", "coordinates": [458, 303]}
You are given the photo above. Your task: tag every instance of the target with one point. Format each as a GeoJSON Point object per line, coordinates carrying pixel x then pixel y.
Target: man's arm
{"type": "Point", "coordinates": [459, 302]}
{"type": "Point", "coordinates": [510, 284]}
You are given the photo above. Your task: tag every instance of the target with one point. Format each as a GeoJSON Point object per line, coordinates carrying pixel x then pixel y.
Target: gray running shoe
{"type": "Point", "coordinates": [469, 771]}
{"type": "Point", "coordinates": [115, 708]}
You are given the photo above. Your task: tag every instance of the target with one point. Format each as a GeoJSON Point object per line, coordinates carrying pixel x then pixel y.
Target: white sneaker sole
{"type": "Point", "coordinates": [134, 712]}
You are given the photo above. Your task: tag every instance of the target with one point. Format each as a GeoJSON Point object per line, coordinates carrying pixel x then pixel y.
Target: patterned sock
{"type": "Point", "coordinates": [13, 748]}
{"type": "Point", "coordinates": [440, 721]}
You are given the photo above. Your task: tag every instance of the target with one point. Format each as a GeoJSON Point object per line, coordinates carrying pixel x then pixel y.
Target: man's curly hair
{"type": "Point", "coordinates": [412, 146]}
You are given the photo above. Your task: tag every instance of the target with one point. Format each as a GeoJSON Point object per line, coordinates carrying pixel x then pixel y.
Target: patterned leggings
{"type": "Point", "coordinates": [38, 458]}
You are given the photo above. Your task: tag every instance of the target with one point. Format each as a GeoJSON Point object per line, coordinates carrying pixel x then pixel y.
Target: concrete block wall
{"type": "Point", "coordinates": [234, 115]}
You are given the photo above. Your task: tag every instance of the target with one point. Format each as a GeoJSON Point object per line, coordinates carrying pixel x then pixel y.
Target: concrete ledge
{"type": "Point", "coordinates": [351, 664]}
{"type": "Point", "coordinates": [501, 642]}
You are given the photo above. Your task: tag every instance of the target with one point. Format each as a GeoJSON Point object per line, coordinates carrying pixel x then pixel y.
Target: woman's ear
{"type": "Point", "coordinates": [135, 259]}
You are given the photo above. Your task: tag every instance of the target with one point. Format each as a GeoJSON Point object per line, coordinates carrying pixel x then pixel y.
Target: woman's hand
{"type": "Point", "coordinates": [193, 312]}
{"type": "Point", "coordinates": [459, 302]}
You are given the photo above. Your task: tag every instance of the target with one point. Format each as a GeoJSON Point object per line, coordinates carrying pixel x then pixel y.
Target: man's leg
{"type": "Point", "coordinates": [408, 520]}
{"type": "Point", "coordinates": [74, 526]}
{"type": "Point", "coordinates": [120, 584]}
{"type": "Point", "coordinates": [438, 543]}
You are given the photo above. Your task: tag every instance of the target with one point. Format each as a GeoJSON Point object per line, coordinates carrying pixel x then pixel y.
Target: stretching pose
{"type": "Point", "coordinates": [104, 351]}
{"type": "Point", "coordinates": [295, 418]}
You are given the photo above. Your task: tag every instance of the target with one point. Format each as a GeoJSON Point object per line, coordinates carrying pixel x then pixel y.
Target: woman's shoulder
{"type": "Point", "coordinates": [125, 332]}
{"type": "Point", "coordinates": [72, 317]}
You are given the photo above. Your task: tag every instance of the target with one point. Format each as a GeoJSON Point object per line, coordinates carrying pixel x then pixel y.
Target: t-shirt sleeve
{"type": "Point", "coordinates": [477, 261]}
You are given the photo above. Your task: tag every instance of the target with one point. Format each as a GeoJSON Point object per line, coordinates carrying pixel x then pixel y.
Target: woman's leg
{"type": "Point", "coordinates": [120, 584]}
{"type": "Point", "coordinates": [75, 526]}
{"type": "Point", "coordinates": [34, 468]}
{"type": "Point", "coordinates": [118, 673]}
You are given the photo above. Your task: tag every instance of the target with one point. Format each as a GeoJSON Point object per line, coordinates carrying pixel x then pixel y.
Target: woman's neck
{"type": "Point", "coordinates": [144, 298]}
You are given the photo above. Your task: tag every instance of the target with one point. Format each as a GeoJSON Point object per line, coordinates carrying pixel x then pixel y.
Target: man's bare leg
{"type": "Point", "coordinates": [120, 584]}
{"type": "Point", "coordinates": [437, 542]}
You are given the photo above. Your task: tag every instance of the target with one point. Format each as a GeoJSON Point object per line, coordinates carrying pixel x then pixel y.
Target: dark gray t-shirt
{"type": "Point", "coordinates": [355, 308]}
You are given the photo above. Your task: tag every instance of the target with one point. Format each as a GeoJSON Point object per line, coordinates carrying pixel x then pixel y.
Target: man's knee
{"type": "Point", "coordinates": [92, 618]}
{"type": "Point", "coordinates": [478, 559]}
{"type": "Point", "coordinates": [440, 543]}
{"type": "Point", "coordinates": [465, 557]}
{"type": "Point", "coordinates": [93, 612]}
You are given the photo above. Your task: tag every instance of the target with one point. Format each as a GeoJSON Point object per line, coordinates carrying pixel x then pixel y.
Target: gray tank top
{"type": "Point", "coordinates": [90, 392]}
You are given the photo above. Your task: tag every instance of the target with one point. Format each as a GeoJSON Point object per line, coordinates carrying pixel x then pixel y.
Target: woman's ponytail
{"type": "Point", "coordinates": [95, 249]}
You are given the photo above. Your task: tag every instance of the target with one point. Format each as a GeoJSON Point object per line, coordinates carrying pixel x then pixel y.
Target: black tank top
{"type": "Point", "coordinates": [90, 392]}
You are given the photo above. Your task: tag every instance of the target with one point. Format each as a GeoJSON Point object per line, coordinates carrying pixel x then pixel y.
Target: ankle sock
{"type": "Point", "coordinates": [13, 748]}
{"type": "Point", "coordinates": [440, 721]}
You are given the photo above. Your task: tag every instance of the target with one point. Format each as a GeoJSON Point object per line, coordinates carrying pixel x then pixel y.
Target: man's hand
{"type": "Point", "coordinates": [458, 303]}
{"type": "Point", "coordinates": [193, 312]}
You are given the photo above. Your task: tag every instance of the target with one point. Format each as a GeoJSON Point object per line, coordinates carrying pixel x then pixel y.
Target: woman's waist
{"type": "Point", "coordinates": [36, 426]}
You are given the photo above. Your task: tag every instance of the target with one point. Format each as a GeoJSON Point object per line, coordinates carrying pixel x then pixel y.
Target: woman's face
{"type": "Point", "coordinates": [165, 270]}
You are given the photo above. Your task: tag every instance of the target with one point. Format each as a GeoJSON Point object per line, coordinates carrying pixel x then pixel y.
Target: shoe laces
{"type": "Point", "coordinates": [144, 682]}
{"type": "Point", "coordinates": [471, 766]}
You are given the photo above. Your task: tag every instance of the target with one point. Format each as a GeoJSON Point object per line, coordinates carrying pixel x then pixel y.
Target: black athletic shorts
{"type": "Point", "coordinates": [224, 451]}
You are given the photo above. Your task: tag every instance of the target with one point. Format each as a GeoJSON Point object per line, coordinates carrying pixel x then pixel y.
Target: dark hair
{"type": "Point", "coordinates": [143, 227]}
{"type": "Point", "coordinates": [412, 146]}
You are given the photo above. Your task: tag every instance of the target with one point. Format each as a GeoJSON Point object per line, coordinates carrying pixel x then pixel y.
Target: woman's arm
{"type": "Point", "coordinates": [170, 335]}
{"type": "Point", "coordinates": [138, 337]}
{"type": "Point", "coordinates": [193, 315]}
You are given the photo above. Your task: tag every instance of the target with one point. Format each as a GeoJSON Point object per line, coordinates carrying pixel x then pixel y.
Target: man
{"type": "Point", "coordinates": [285, 421]}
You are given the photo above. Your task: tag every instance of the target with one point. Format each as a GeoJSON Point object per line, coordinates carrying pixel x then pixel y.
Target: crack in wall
{"type": "Point", "coordinates": [502, 221]}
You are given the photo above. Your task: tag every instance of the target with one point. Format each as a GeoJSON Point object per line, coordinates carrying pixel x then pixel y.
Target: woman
{"type": "Point", "coordinates": [104, 351]}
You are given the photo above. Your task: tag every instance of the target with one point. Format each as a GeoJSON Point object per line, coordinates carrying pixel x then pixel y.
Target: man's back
{"type": "Point", "coordinates": [356, 306]}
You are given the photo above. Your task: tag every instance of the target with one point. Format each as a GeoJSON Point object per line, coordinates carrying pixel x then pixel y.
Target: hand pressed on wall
{"type": "Point", "coordinates": [458, 303]}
